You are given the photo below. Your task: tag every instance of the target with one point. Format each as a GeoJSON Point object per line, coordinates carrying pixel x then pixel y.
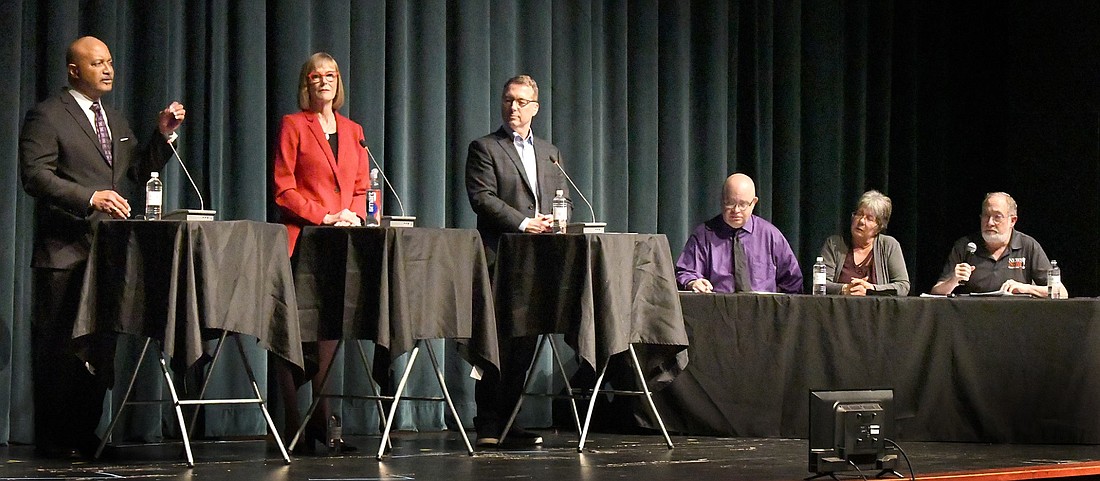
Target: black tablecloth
{"type": "Point", "coordinates": [182, 282]}
{"type": "Point", "coordinates": [394, 286]}
{"type": "Point", "coordinates": [603, 291]}
{"type": "Point", "coordinates": [973, 370]}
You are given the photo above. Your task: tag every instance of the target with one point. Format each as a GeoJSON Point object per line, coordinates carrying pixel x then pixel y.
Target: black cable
{"type": "Point", "coordinates": [912, 476]}
{"type": "Point", "coordinates": [860, 471]}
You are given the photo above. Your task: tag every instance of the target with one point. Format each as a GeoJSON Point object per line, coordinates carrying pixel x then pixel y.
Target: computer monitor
{"type": "Point", "coordinates": [848, 428]}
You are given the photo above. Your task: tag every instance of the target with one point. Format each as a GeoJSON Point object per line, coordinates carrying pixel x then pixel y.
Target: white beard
{"type": "Point", "coordinates": [995, 239]}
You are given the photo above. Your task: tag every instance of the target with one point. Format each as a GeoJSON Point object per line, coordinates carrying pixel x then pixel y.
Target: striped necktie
{"type": "Point", "coordinates": [101, 132]}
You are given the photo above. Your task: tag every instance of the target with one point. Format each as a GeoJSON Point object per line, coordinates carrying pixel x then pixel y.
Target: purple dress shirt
{"type": "Point", "coordinates": [708, 253]}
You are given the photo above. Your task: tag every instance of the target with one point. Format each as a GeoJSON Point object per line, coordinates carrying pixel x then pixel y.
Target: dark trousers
{"type": "Point", "coordinates": [68, 399]}
{"type": "Point", "coordinates": [496, 394]}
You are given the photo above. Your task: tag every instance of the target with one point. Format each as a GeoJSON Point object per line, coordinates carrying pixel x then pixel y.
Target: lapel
{"type": "Point", "coordinates": [545, 172]}
{"type": "Point", "coordinates": [81, 119]}
{"type": "Point", "coordinates": [348, 143]}
{"type": "Point", "coordinates": [322, 142]}
{"type": "Point", "coordinates": [509, 147]}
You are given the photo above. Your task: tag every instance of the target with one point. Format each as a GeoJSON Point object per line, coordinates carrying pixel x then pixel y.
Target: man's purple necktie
{"type": "Point", "coordinates": [101, 132]}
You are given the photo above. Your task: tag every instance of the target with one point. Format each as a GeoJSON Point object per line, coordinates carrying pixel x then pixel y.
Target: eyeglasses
{"type": "Point", "coordinates": [869, 218]}
{"type": "Point", "coordinates": [741, 205]}
{"type": "Point", "coordinates": [521, 103]}
{"type": "Point", "coordinates": [318, 77]}
{"type": "Point", "coordinates": [996, 218]}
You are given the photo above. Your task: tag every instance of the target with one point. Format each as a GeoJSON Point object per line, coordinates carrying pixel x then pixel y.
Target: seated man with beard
{"type": "Point", "coordinates": [1005, 260]}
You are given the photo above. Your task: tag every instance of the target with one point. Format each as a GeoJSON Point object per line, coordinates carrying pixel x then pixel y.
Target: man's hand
{"type": "Point", "coordinates": [700, 285]}
{"type": "Point", "coordinates": [963, 271]}
{"type": "Point", "coordinates": [170, 118]}
{"type": "Point", "coordinates": [109, 202]}
{"type": "Point", "coordinates": [1014, 287]}
{"type": "Point", "coordinates": [539, 223]}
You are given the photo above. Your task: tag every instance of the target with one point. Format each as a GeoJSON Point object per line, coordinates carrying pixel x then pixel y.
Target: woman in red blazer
{"type": "Point", "coordinates": [321, 178]}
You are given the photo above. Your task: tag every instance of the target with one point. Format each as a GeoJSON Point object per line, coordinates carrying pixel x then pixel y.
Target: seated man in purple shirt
{"type": "Point", "coordinates": [736, 238]}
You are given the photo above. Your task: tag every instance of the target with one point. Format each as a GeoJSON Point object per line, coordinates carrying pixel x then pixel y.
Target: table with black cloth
{"type": "Point", "coordinates": [182, 282]}
{"type": "Point", "coordinates": [603, 291]}
{"type": "Point", "coordinates": [1006, 369]}
{"type": "Point", "coordinates": [395, 286]}
{"type": "Point", "coordinates": [179, 283]}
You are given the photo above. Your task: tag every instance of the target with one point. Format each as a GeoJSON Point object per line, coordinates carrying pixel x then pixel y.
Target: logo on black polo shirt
{"type": "Point", "coordinates": [1017, 262]}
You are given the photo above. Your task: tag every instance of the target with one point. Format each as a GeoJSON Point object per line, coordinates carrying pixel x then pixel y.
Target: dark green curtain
{"type": "Point", "coordinates": [653, 104]}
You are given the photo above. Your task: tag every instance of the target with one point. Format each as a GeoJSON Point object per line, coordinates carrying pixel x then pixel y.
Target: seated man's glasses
{"type": "Point", "coordinates": [740, 205]}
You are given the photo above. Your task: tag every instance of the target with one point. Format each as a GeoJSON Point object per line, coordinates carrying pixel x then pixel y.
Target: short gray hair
{"type": "Point", "coordinates": [879, 205]}
{"type": "Point", "coordinates": [1008, 199]}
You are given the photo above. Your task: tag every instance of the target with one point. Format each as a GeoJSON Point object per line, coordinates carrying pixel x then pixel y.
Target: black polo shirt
{"type": "Point", "coordinates": [1023, 261]}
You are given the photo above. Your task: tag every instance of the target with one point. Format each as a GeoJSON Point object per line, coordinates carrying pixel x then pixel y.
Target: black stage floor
{"type": "Point", "coordinates": [441, 456]}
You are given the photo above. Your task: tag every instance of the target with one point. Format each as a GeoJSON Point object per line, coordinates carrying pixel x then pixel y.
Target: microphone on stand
{"type": "Point", "coordinates": [390, 220]}
{"type": "Point", "coordinates": [585, 227]}
{"type": "Point", "coordinates": [971, 248]}
{"type": "Point", "coordinates": [202, 213]}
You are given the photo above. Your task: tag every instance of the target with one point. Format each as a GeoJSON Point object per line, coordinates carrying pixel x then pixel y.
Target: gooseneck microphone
{"type": "Point", "coordinates": [971, 248]}
{"type": "Point", "coordinates": [363, 142]}
{"type": "Point", "coordinates": [396, 221]}
{"type": "Point", "coordinates": [202, 204]}
{"type": "Point", "coordinates": [189, 214]}
{"type": "Point", "coordinates": [575, 189]}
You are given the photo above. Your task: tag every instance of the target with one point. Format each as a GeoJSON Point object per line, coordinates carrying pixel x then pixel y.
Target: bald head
{"type": "Point", "coordinates": [739, 183]}
{"type": "Point", "coordinates": [738, 200]}
{"type": "Point", "coordinates": [91, 68]}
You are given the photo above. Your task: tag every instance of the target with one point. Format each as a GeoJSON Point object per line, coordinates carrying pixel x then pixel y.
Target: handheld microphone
{"type": "Point", "coordinates": [189, 214]}
{"type": "Point", "coordinates": [971, 248]}
{"type": "Point", "coordinates": [586, 227]}
{"type": "Point", "coordinates": [389, 221]}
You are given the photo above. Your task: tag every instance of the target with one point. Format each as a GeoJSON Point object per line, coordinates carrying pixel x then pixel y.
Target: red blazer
{"type": "Point", "coordinates": [309, 181]}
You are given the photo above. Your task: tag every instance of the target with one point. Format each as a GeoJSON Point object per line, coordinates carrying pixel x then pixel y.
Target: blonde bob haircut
{"type": "Point", "coordinates": [316, 60]}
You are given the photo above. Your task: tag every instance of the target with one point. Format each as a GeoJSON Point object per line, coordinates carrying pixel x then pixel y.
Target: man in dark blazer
{"type": "Point", "coordinates": [81, 162]}
{"type": "Point", "coordinates": [510, 179]}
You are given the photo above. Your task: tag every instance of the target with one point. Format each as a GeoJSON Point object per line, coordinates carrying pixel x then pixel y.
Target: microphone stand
{"type": "Point", "coordinates": [202, 213]}
{"type": "Point", "coordinates": [390, 220]}
{"type": "Point", "coordinates": [585, 227]}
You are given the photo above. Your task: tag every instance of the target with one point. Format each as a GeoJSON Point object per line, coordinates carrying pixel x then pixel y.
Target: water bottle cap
{"type": "Point", "coordinates": [820, 259]}
{"type": "Point", "coordinates": [154, 175]}
{"type": "Point", "coordinates": [1053, 263]}
{"type": "Point", "coordinates": [559, 192]}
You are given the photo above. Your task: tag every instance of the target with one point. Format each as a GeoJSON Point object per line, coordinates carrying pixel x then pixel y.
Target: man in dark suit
{"type": "Point", "coordinates": [510, 179]}
{"type": "Point", "coordinates": [81, 162]}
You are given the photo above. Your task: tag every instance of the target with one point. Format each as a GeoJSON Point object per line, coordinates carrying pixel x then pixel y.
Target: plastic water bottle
{"type": "Point", "coordinates": [819, 277]}
{"type": "Point", "coordinates": [335, 434]}
{"type": "Point", "coordinates": [561, 211]}
{"type": "Point", "coordinates": [1054, 281]}
{"type": "Point", "coordinates": [374, 200]}
{"type": "Point", "coordinates": [154, 190]}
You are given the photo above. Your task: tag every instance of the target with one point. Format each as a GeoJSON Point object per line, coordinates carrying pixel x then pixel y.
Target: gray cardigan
{"type": "Point", "coordinates": [889, 264]}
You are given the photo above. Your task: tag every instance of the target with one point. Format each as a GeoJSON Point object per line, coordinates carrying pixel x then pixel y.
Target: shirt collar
{"type": "Point", "coordinates": [514, 135]}
{"type": "Point", "coordinates": [82, 100]}
{"type": "Point", "coordinates": [749, 224]}
{"type": "Point", "coordinates": [720, 225]}
{"type": "Point", "coordinates": [1014, 242]}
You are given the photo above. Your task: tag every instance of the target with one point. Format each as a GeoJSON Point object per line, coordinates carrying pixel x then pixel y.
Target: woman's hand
{"type": "Point", "coordinates": [344, 218]}
{"type": "Point", "coordinates": [858, 287]}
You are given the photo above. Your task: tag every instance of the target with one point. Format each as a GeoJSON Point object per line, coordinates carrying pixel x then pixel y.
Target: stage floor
{"type": "Point", "coordinates": [441, 456]}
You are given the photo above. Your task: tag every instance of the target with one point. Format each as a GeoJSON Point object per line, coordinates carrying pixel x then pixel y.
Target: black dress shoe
{"type": "Point", "coordinates": [517, 436]}
{"type": "Point", "coordinates": [110, 453]}
{"type": "Point", "coordinates": [313, 443]}
{"type": "Point", "coordinates": [56, 452]}
{"type": "Point", "coordinates": [87, 451]}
